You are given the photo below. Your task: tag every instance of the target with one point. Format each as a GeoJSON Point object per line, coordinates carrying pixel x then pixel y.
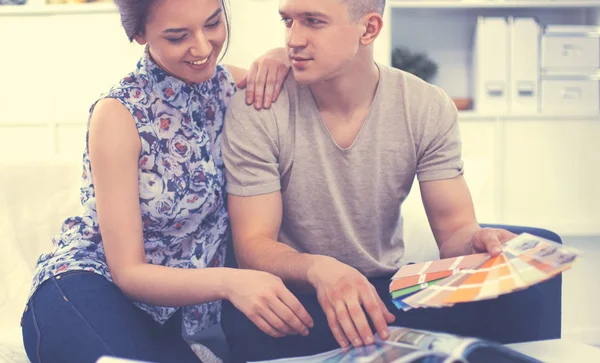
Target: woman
{"type": "Point", "coordinates": [147, 253]}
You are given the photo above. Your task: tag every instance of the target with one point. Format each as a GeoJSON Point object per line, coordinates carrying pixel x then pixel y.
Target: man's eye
{"type": "Point", "coordinates": [313, 21]}
{"type": "Point", "coordinates": [287, 21]}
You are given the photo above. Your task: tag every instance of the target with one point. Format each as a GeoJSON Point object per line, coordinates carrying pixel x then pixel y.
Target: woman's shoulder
{"type": "Point", "coordinates": [222, 85]}
{"type": "Point", "coordinates": [130, 92]}
{"type": "Point", "coordinates": [224, 77]}
{"type": "Point", "coordinates": [133, 86]}
{"type": "Point", "coordinates": [223, 72]}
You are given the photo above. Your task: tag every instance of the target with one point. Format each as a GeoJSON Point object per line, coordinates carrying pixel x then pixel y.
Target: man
{"type": "Point", "coordinates": [316, 183]}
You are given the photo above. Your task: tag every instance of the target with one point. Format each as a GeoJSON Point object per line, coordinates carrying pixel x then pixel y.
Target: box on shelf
{"type": "Point", "coordinates": [571, 47]}
{"type": "Point", "coordinates": [570, 94]}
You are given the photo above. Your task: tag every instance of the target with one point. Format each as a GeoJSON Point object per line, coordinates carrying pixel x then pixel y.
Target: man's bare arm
{"type": "Point", "coordinates": [255, 222]}
{"type": "Point", "coordinates": [451, 214]}
{"type": "Point", "coordinates": [340, 289]}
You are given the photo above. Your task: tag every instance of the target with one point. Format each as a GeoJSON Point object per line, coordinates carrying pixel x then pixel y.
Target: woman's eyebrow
{"type": "Point", "coordinates": [174, 30]}
{"type": "Point", "coordinates": [180, 30]}
{"type": "Point", "coordinates": [215, 14]}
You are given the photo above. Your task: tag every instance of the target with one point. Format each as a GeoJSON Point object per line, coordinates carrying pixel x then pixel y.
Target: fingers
{"type": "Point", "coordinates": [347, 324]}
{"type": "Point", "coordinates": [278, 321]}
{"type": "Point", "coordinates": [264, 82]}
{"type": "Point", "coordinates": [260, 85]}
{"type": "Point", "coordinates": [250, 83]}
{"type": "Point", "coordinates": [333, 323]}
{"type": "Point", "coordinates": [287, 317]}
{"type": "Point", "coordinates": [490, 242]}
{"type": "Point", "coordinates": [281, 74]}
{"type": "Point", "coordinates": [242, 83]}
{"type": "Point", "coordinates": [388, 316]}
{"type": "Point", "coordinates": [360, 323]}
{"type": "Point", "coordinates": [274, 318]}
{"type": "Point", "coordinates": [373, 307]}
{"type": "Point", "coordinates": [505, 235]}
{"type": "Point", "coordinates": [347, 319]}
{"type": "Point", "coordinates": [269, 88]}
{"type": "Point", "coordinates": [303, 320]}
{"type": "Point", "coordinates": [263, 325]}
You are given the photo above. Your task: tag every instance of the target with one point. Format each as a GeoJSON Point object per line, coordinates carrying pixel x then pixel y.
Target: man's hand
{"type": "Point", "coordinates": [343, 293]}
{"type": "Point", "coordinates": [265, 78]}
{"type": "Point", "coordinates": [490, 240]}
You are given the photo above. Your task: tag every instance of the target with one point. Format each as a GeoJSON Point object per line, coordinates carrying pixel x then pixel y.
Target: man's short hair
{"type": "Point", "coordinates": [359, 8]}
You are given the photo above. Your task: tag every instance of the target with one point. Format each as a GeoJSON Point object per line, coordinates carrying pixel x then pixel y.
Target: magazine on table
{"type": "Point", "coordinates": [418, 346]}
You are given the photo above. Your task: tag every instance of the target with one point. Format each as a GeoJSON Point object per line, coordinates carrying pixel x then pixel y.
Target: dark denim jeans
{"type": "Point", "coordinates": [80, 316]}
{"type": "Point", "coordinates": [552, 289]}
{"type": "Point", "coordinates": [526, 315]}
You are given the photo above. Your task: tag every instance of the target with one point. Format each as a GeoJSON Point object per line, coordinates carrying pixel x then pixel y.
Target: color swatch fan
{"type": "Point", "coordinates": [525, 261]}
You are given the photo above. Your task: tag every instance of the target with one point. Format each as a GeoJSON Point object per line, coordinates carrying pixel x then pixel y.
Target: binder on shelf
{"type": "Point", "coordinates": [524, 65]}
{"type": "Point", "coordinates": [490, 64]}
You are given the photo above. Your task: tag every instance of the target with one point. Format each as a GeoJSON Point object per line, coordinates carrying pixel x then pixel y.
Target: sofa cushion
{"type": "Point", "coordinates": [35, 197]}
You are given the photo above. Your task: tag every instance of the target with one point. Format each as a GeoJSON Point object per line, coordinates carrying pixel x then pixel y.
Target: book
{"type": "Point", "coordinates": [525, 260]}
{"type": "Point", "coordinates": [418, 346]}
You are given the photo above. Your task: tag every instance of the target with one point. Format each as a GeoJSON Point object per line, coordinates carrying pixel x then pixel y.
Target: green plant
{"type": "Point", "coordinates": [418, 64]}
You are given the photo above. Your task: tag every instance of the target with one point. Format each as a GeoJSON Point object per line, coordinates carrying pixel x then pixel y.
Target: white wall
{"type": "Point", "coordinates": [54, 66]}
{"type": "Point", "coordinates": [256, 27]}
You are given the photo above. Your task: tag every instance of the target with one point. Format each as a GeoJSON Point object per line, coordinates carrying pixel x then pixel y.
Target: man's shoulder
{"type": "Point", "coordinates": [403, 83]}
{"type": "Point", "coordinates": [417, 99]}
{"type": "Point", "coordinates": [274, 122]}
{"type": "Point", "coordinates": [281, 107]}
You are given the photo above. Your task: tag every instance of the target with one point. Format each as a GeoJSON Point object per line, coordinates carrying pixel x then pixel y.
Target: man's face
{"type": "Point", "coordinates": [321, 38]}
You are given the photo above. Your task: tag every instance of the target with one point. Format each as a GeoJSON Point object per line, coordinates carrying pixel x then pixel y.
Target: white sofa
{"type": "Point", "coordinates": [36, 196]}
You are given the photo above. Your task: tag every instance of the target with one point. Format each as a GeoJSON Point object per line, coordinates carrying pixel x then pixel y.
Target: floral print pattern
{"type": "Point", "coordinates": [181, 184]}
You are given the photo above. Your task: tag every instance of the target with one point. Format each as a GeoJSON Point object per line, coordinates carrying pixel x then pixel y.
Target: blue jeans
{"type": "Point", "coordinates": [517, 317]}
{"type": "Point", "coordinates": [79, 316]}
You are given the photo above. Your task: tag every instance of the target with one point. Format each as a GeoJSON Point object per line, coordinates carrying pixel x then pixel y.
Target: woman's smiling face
{"type": "Point", "coordinates": [185, 37]}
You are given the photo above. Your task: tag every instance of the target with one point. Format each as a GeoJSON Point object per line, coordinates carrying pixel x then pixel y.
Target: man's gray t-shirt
{"type": "Point", "coordinates": [344, 203]}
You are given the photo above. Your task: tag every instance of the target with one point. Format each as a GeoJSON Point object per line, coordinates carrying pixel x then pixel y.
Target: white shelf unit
{"type": "Point", "coordinates": [446, 35]}
{"type": "Point", "coordinates": [543, 169]}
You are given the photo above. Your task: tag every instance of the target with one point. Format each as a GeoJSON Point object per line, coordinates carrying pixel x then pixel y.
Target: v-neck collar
{"type": "Point", "coordinates": [307, 94]}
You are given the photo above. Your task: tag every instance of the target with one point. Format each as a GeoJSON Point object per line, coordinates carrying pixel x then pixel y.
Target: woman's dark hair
{"type": "Point", "coordinates": [134, 14]}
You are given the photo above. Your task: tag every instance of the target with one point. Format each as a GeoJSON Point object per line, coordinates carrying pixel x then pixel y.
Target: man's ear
{"type": "Point", "coordinates": [140, 39]}
{"type": "Point", "coordinates": [371, 25]}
